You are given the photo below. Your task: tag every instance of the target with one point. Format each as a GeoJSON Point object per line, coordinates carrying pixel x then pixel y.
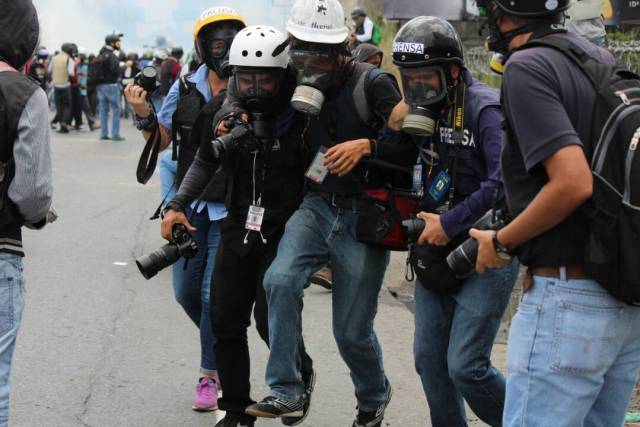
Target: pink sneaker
{"type": "Point", "coordinates": [206, 395]}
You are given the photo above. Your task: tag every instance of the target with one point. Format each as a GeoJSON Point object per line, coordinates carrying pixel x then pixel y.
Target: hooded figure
{"type": "Point", "coordinates": [367, 52]}
{"type": "Point", "coordinates": [20, 32]}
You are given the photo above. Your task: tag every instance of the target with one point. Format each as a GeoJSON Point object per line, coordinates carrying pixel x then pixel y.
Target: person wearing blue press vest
{"type": "Point", "coordinates": [456, 320]}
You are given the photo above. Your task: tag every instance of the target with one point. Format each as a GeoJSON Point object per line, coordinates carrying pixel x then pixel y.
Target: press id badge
{"type": "Point", "coordinates": [439, 186]}
{"type": "Point", "coordinates": [317, 172]}
{"type": "Point", "coordinates": [417, 178]}
{"type": "Point", "coordinates": [254, 218]}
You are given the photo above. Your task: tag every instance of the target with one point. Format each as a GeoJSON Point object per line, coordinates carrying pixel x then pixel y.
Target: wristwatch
{"type": "Point", "coordinates": [501, 251]}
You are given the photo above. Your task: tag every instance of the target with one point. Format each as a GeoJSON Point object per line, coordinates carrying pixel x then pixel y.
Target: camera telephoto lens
{"type": "Point", "coordinates": [150, 264]}
{"type": "Point", "coordinates": [462, 260]}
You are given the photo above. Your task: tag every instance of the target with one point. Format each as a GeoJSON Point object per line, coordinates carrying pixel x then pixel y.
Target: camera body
{"type": "Point", "coordinates": [147, 79]}
{"type": "Point", "coordinates": [181, 245]}
{"type": "Point", "coordinates": [244, 136]}
{"type": "Point", "coordinates": [462, 260]}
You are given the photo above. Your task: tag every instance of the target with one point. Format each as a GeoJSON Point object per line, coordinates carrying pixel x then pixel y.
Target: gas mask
{"type": "Point", "coordinates": [316, 72]}
{"type": "Point", "coordinates": [257, 87]}
{"type": "Point", "coordinates": [426, 90]}
{"type": "Point", "coordinates": [214, 48]}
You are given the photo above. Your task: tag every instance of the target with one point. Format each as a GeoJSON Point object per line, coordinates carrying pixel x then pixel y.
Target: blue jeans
{"type": "Point", "coordinates": [452, 345]}
{"type": "Point", "coordinates": [11, 305]}
{"type": "Point", "coordinates": [109, 96]}
{"type": "Point", "coordinates": [168, 169]}
{"type": "Point", "coordinates": [573, 356]}
{"type": "Point", "coordinates": [192, 287]}
{"type": "Point", "coordinates": [314, 234]}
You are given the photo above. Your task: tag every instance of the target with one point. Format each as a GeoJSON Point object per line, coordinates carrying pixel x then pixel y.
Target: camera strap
{"type": "Point", "coordinates": [458, 136]}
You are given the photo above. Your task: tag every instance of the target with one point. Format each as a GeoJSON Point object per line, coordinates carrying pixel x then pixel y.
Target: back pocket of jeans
{"type": "Point", "coordinates": [584, 339]}
{"type": "Point", "coordinates": [6, 303]}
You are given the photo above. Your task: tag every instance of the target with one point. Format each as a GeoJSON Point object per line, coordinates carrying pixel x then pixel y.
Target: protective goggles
{"type": "Point", "coordinates": [257, 83]}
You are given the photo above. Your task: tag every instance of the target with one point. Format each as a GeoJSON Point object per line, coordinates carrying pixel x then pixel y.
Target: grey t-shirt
{"type": "Point", "coordinates": [548, 102]}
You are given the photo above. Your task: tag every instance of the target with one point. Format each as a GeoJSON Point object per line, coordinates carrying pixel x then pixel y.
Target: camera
{"type": "Point", "coordinates": [462, 260]}
{"type": "Point", "coordinates": [245, 136]}
{"type": "Point", "coordinates": [414, 228]}
{"type": "Point", "coordinates": [181, 245]}
{"type": "Point", "coordinates": [147, 79]}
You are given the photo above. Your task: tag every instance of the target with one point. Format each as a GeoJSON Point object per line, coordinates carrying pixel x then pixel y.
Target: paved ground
{"type": "Point", "coordinates": [100, 346]}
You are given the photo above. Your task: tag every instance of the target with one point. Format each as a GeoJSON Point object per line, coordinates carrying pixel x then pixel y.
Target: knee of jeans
{"type": "Point", "coordinates": [349, 337]}
{"type": "Point", "coordinates": [463, 372]}
{"type": "Point", "coordinates": [278, 282]}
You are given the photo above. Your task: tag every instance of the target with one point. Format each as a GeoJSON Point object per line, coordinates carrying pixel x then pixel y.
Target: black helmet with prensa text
{"type": "Point", "coordinates": [426, 40]}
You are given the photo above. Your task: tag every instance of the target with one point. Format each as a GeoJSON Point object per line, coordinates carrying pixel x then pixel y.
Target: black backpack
{"type": "Point", "coordinates": [96, 74]}
{"type": "Point", "coordinates": [612, 252]}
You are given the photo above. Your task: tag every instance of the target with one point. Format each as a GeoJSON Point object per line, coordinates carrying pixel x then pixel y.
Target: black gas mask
{"type": "Point", "coordinates": [426, 90]}
{"type": "Point", "coordinates": [213, 45]}
{"type": "Point", "coordinates": [257, 87]}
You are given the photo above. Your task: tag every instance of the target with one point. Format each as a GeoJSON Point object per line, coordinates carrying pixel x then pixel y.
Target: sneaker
{"type": "Point", "coordinates": [63, 129]}
{"type": "Point", "coordinates": [322, 278]}
{"type": "Point", "coordinates": [309, 384]}
{"type": "Point", "coordinates": [373, 418]}
{"type": "Point", "coordinates": [206, 395]}
{"type": "Point", "coordinates": [273, 407]}
{"type": "Point", "coordinates": [104, 138]}
{"type": "Point", "coordinates": [117, 138]}
{"type": "Point", "coordinates": [93, 126]}
{"type": "Point", "coordinates": [230, 421]}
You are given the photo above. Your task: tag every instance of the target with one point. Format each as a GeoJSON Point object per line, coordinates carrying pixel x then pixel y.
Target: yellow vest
{"type": "Point", "coordinates": [60, 69]}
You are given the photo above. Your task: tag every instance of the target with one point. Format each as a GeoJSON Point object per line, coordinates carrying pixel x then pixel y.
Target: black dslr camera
{"type": "Point", "coordinates": [414, 228]}
{"type": "Point", "coordinates": [462, 260]}
{"type": "Point", "coordinates": [181, 245]}
{"type": "Point", "coordinates": [147, 79]}
{"type": "Point", "coordinates": [244, 136]}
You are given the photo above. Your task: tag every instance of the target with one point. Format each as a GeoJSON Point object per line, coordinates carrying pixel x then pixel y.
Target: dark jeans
{"type": "Point", "coordinates": [237, 284]}
{"type": "Point", "coordinates": [452, 345]}
{"type": "Point", "coordinates": [76, 106]}
{"type": "Point", "coordinates": [63, 105]}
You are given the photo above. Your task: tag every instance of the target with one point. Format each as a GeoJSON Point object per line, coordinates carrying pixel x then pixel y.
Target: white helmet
{"type": "Point", "coordinates": [318, 21]}
{"type": "Point", "coordinates": [254, 47]}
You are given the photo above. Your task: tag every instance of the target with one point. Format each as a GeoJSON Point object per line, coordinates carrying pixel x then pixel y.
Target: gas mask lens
{"type": "Point", "coordinates": [261, 84]}
{"type": "Point", "coordinates": [218, 40]}
{"type": "Point", "coordinates": [424, 85]}
{"type": "Point", "coordinates": [425, 90]}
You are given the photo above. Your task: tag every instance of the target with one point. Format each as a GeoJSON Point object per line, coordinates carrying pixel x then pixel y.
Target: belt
{"type": "Point", "coordinates": [568, 272]}
{"type": "Point", "coordinates": [342, 202]}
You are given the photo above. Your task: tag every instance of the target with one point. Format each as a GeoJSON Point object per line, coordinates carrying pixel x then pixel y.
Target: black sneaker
{"type": "Point", "coordinates": [63, 129]}
{"type": "Point", "coordinates": [230, 421]}
{"type": "Point", "coordinates": [272, 407]}
{"type": "Point", "coordinates": [309, 384]}
{"type": "Point", "coordinates": [373, 418]}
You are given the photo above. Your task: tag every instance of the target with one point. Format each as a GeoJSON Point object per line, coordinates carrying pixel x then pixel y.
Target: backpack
{"type": "Point", "coordinates": [96, 74]}
{"type": "Point", "coordinates": [611, 254]}
{"type": "Point", "coordinates": [376, 35]}
{"type": "Point", "coordinates": [365, 75]}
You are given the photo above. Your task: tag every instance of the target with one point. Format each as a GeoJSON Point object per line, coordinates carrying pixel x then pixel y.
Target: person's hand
{"type": "Point", "coordinates": [342, 158]}
{"type": "Point", "coordinates": [399, 112]}
{"type": "Point", "coordinates": [172, 217]}
{"type": "Point", "coordinates": [222, 129]}
{"type": "Point", "coordinates": [137, 98]}
{"type": "Point", "coordinates": [433, 233]}
{"type": "Point", "coordinates": [487, 257]}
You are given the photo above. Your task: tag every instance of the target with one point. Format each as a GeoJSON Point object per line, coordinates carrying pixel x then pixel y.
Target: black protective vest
{"type": "Point", "coordinates": [339, 122]}
{"type": "Point", "coordinates": [278, 175]}
{"type": "Point", "coordinates": [15, 91]}
{"type": "Point", "coordinates": [184, 125]}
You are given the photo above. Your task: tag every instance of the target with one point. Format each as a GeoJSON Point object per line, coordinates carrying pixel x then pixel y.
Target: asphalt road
{"type": "Point", "coordinates": [100, 346]}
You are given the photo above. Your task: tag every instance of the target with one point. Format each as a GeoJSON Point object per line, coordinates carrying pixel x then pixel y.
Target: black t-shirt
{"type": "Point", "coordinates": [548, 103]}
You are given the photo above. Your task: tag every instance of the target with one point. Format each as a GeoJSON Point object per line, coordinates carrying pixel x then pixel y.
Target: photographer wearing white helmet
{"type": "Point", "coordinates": [262, 159]}
{"type": "Point", "coordinates": [340, 140]}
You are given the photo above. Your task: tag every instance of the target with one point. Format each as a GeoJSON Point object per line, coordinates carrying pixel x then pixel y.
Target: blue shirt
{"type": "Point", "coordinates": [216, 211]}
